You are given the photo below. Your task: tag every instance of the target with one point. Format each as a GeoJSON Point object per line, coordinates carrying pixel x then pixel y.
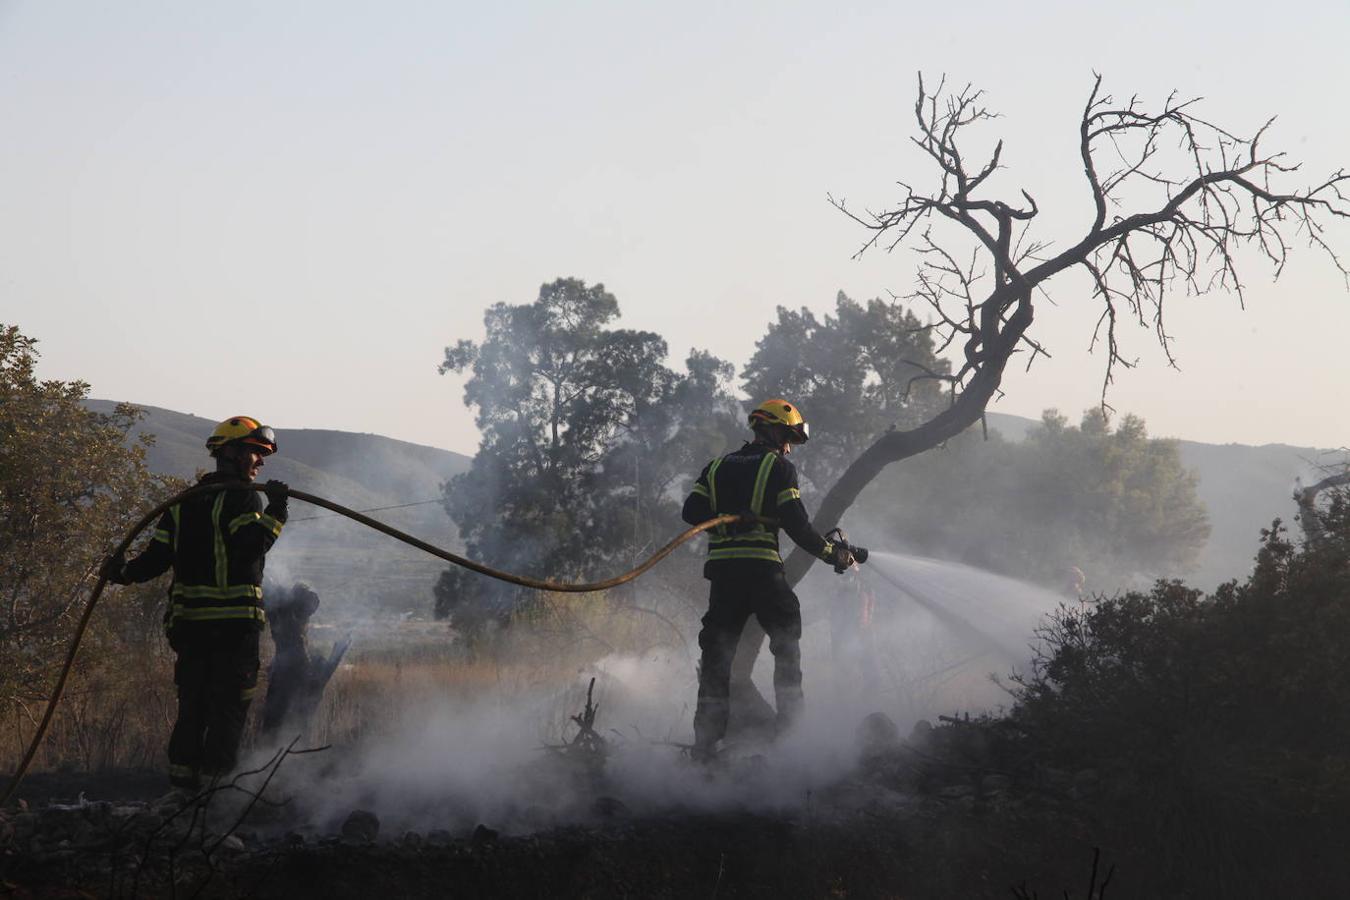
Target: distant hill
{"type": "Point", "coordinates": [1243, 487]}
{"type": "Point", "coordinates": [349, 565]}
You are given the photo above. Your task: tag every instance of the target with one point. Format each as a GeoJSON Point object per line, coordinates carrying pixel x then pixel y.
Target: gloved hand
{"type": "Point", "coordinates": [842, 558]}
{"type": "Point", "coordinates": [277, 492]}
{"type": "Point", "coordinates": [114, 569]}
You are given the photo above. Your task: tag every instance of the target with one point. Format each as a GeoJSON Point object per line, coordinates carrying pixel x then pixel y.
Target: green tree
{"type": "Point", "coordinates": [584, 432]}
{"type": "Point", "coordinates": [1110, 500]}
{"type": "Point", "coordinates": [70, 488]}
{"type": "Point", "coordinates": [857, 374]}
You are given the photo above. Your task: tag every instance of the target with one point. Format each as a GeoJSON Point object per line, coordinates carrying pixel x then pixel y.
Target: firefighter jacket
{"type": "Point", "coordinates": [215, 544]}
{"type": "Point", "coordinates": [754, 479]}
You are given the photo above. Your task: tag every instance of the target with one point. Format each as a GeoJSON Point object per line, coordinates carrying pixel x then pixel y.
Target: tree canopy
{"type": "Point", "coordinates": [1107, 499]}
{"type": "Point", "coordinates": [584, 432]}
{"type": "Point", "coordinates": [856, 374]}
{"type": "Point", "coordinates": [70, 487]}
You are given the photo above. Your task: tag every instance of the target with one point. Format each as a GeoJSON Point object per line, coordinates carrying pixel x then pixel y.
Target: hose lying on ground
{"type": "Point", "coordinates": [537, 584]}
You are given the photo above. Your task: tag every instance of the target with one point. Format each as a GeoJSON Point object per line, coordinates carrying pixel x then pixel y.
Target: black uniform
{"type": "Point", "coordinates": [215, 544]}
{"type": "Point", "coordinates": [746, 571]}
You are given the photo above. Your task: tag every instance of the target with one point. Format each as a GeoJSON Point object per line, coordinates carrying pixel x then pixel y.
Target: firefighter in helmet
{"type": "Point", "coordinates": [746, 569]}
{"type": "Point", "coordinates": [215, 544]}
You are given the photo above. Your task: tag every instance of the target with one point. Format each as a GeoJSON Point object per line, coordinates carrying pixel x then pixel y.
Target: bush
{"type": "Point", "coordinates": [1218, 724]}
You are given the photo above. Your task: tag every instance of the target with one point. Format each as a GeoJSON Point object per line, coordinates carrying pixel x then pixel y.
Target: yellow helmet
{"type": "Point", "coordinates": [243, 430]}
{"type": "Point", "coordinates": [781, 412]}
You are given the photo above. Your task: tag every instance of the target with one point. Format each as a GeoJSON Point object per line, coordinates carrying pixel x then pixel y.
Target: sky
{"type": "Point", "coordinates": [288, 210]}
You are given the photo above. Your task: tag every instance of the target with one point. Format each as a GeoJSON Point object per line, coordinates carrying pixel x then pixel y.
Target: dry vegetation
{"type": "Point", "coordinates": [120, 707]}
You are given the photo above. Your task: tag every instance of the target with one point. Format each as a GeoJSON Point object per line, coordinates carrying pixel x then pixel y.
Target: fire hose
{"type": "Point", "coordinates": [538, 584]}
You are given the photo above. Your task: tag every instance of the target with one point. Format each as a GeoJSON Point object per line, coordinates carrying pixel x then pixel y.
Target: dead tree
{"type": "Point", "coordinates": [1202, 199]}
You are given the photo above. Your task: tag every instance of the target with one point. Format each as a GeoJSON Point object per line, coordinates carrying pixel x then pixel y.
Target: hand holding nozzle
{"type": "Point", "coordinates": [845, 555]}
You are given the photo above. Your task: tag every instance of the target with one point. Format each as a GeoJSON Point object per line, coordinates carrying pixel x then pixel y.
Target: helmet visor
{"type": "Point", "coordinates": [262, 437]}
{"type": "Point", "coordinates": [801, 432]}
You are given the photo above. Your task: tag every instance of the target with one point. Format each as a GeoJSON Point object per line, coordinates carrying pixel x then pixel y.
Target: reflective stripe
{"type": "Point", "coordinates": [827, 552]}
{"type": "Point", "coordinates": [175, 512]}
{"type": "Point", "coordinates": [210, 592]}
{"type": "Point", "coordinates": [222, 555]}
{"type": "Point", "coordinates": [699, 489]}
{"type": "Point", "coordinates": [745, 553]}
{"type": "Point", "coordinates": [764, 538]}
{"type": "Point", "coordinates": [216, 613]}
{"type": "Point", "coordinates": [240, 521]}
{"type": "Point", "coordinates": [761, 480]}
{"type": "Point", "coordinates": [247, 693]}
{"type": "Point", "coordinates": [251, 518]}
{"type": "Point", "coordinates": [759, 532]}
{"type": "Point", "coordinates": [162, 536]}
{"type": "Point", "coordinates": [788, 495]}
{"type": "Point", "coordinates": [177, 771]}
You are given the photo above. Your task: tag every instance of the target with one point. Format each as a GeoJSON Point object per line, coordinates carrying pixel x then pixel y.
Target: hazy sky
{"type": "Point", "coordinates": [289, 209]}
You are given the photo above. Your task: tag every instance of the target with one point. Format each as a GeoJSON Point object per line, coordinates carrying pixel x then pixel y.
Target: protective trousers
{"type": "Point", "coordinates": [732, 600]}
{"type": "Point", "coordinates": [216, 674]}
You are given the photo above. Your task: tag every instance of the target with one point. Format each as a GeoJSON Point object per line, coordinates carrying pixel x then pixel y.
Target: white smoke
{"type": "Point", "coordinates": [927, 643]}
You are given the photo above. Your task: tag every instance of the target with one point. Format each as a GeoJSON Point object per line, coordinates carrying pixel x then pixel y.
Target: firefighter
{"type": "Point", "coordinates": [746, 570]}
{"type": "Point", "coordinates": [290, 677]}
{"type": "Point", "coordinates": [215, 543]}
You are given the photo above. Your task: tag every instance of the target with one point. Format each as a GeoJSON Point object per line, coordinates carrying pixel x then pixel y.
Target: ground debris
{"type": "Point", "coordinates": [361, 826]}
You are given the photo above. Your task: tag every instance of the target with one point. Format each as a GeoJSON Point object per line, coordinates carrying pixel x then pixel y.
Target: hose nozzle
{"type": "Point", "coordinates": [839, 536]}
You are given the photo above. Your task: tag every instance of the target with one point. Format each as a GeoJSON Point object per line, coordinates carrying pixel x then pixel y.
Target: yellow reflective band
{"type": "Point", "coordinates": [699, 489]}
{"type": "Point", "coordinates": [162, 536]}
{"type": "Point", "coordinates": [174, 512]}
{"type": "Point", "coordinates": [222, 557]}
{"type": "Point", "coordinates": [788, 495]}
{"type": "Point", "coordinates": [247, 693]}
{"type": "Point", "coordinates": [761, 481]}
{"type": "Point", "coordinates": [745, 553]}
{"type": "Point", "coordinates": [240, 521]}
{"type": "Point", "coordinates": [250, 518]}
{"type": "Point", "coordinates": [210, 592]}
{"type": "Point", "coordinates": [828, 552]}
{"type": "Point", "coordinates": [217, 613]}
{"type": "Point", "coordinates": [758, 538]}
{"type": "Point", "coordinates": [712, 482]}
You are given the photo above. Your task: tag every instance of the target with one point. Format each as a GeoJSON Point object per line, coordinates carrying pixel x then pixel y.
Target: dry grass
{"type": "Point", "coordinates": [121, 704]}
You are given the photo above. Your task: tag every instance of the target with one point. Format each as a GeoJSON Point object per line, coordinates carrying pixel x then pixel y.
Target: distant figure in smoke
{"type": "Point", "coordinates": [295, 681]}
{"type": "Point", "coordinates": [746, 570]}
{"type": "Point", "coordinates": [216, 544]}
